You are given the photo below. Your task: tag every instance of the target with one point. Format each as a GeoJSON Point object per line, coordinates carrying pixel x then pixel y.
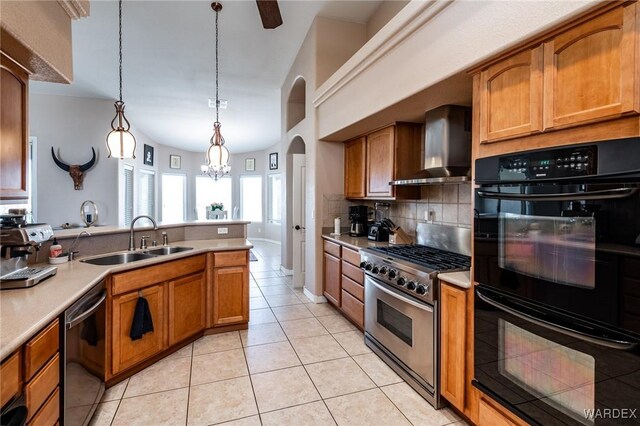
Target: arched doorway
{"type": "Point", "coordinates": [296, 208]}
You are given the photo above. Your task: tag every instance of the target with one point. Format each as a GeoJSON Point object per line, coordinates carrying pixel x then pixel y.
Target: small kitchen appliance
{"type": "Point", "coordinates": [358, 216]}
{"type": "Point", "coordinates": [379, 230]}
{"type": "Point", "coordinates": [17, 242]}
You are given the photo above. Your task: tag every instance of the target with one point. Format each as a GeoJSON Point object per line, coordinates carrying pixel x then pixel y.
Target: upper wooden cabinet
{"type": "Point", "coordinates": [372, 161]}
{"type": "Point", "coordinates": [14, 147]}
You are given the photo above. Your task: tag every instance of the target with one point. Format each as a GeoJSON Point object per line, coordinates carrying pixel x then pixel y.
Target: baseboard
{"type": "Point", "coordinates": [266, 240]}
{"type": "Point", "coordinates": [314, 298]}
{"type": "Point", "coordinates": [286, 271]}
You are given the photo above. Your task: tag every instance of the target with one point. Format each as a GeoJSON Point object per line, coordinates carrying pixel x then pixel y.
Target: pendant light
{"type": "Point", "coordinates": [120, 142]}
{"type": "Point", "coordinates": [217, 157]}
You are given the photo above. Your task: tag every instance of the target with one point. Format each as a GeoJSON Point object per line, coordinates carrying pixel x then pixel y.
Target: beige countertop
{"type": "Point", "coordinates": [461, 279]}
{"type": "Point", "coordinates": [355, 243]}
{"type": "Point", "coordinates": [23, 312]}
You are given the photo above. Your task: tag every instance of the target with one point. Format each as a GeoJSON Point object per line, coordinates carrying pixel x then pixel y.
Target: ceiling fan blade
{"type": "Point", "coordinates": [269, 13]}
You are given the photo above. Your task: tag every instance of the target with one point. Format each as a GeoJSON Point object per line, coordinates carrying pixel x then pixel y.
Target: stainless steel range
{"type": "Point", "coordinates": [401, 308]}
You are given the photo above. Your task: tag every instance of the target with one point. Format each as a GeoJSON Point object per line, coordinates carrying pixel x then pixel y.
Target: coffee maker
{"type": "Point", "coordinates": [379, 231]}
{"type": "Point", "coordinates": [358, 215]}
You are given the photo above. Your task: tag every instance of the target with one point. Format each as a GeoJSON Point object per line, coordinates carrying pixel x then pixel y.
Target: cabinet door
{"type": "Point", "coordinates": [13, 130]}
{"type": "Point", "coordinates": [126, 352]}
{"type": "Point", "coordinates": [453, 317]}
{"type": "Point", "coordinates": [230, 295]}
{"type": "Point", "coordinates": [355, 167]}
{"type": "Point", "coordinates": [186, 307]}
{"type": "Point", "coordinates": [591, 71]}
{"type": "Point", "coordinates": [380, 162]}
{"type": "Point", "coordinates": [331, 279]}
{"type": "Point", "coordinates": [511, 97]}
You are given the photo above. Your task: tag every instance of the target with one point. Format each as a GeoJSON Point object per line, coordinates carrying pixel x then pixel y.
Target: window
{"type": "Point", "coordinates": [173, 198]}
{"type": "Point", "coordinates": [274, 212]}
{"type": "Point", "coordinates": [128, 194]}
{"type": "Point", "coordinates": [251, 198]}
{"type": "Point", "coordinates": [147, 193]}
{"type": "Point", "coordinates": [209, 191]}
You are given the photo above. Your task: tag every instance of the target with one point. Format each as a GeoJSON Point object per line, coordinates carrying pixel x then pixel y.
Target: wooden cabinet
{"type": "Point", "coordinates": [43, 384]}
{"type": "Point", "coordinates": [10, 378]}
{"type": "Point", "coordinates": [14, 147]}
{"type": "Point", "coordinates": [187, 297]}
{"type": "Point", "coordinates": [387, 154]}
{"type": "Point", "coordinates": [49, 413]}
{"type": "Point", "coordinates": [126, 352]}
{"type": "Point", "coordinates": [40, 349]}
{"type": "Point", "coordinates": [331, 279]}
{"type": "Point", "coordinates": [230, 295]}
{"type": "Point", "coordinates": [453, 305]}
{"type": "Point", "coordinates": [355, 176]}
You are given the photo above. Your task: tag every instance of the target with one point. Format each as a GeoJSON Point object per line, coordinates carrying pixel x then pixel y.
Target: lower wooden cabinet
{"type": "Point", "coordinates": [38, 390]}
{"type": "Point", "coordinates": [187, 314]}
{"type": "Point", "coordinates": [453, 302]}
{"type": "Point", "coordinates": [230, 295]}
{"type": "Point", "coordinates": [11, 382]}
{"type": "Point", "coordinates": [331, 279]}
{"type": "Point", "coordinates": [353, 308]}
{"type": "Point", "coordinates": [49, 412]}
{"type": "Point", "coordinates": [126, 352]}
{"type": "Point", "coordinates": [489, 416]}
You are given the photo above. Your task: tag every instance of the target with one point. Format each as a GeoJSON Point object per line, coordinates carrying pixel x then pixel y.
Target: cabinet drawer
{"type": "Point", "coordinates": [351, 256]}
{"type": "Point", "coordinates": [49, 413]}
{"type": "Point", "coordinates": [353, 272]}
{"type": "Point", "coordinates": [332, 248]}
{"type": "Point", "coordinates": [230, 258]}
{"type": "Point", "coordinates": [143, 277]}
{"type": "Point", "coordinates": [39, 349]}
{"type": "Point", "coordinates": [353, 308]}
{"type": "Point", "coordinates": [353, 288]}
{"type": "Point", "coordinates": [37, 391]}
{"type": "Point", "coordinates": [10, 378]}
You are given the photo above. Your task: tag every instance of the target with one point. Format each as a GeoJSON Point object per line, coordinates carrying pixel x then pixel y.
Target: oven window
{"type": "Point", "coordinates": [559, 376]}
{"type": "Point", "coordinates": [557, 249]}
{"type": "Point", "coordinates": [396, 322]}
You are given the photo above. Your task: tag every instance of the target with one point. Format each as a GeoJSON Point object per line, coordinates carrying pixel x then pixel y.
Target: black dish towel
{"type": "Point", "coordinates": [142, 321]}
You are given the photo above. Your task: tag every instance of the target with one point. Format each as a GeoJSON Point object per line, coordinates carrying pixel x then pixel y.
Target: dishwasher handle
{"type": "Point", "coordinates": [77, 319]}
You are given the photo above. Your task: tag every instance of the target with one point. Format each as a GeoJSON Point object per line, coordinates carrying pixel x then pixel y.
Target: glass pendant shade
{"type": "Point", "coordinates": [120, 142]}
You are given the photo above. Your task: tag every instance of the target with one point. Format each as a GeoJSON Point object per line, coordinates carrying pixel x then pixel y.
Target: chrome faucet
{"type": "Point", "coordinates": [71, 252]}
{"type": "Point", "coordinates": [132, 244]}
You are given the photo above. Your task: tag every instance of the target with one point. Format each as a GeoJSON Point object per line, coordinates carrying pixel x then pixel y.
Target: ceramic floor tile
{"type": "Point", "coordinates": [255, 292]}
{"type": "Point", "coordinates": [115, 392]}
{"type": "Point", "coordinates": [164, 375]}
{"type": "Point", "coordinates": [352, 342]}
{"type": "Point", "coordinates": [268, 282]}
{"type": "Point", "coordinates": [415, 408]}
{"type": "Point", "coordinates": [262, 333]}
{"type": "Point", "coordinates": [283, 388]}
{"type": "Point", "coordinates": [322, 309]}
{"type": "Point", "coordinates": [221, 401]}
{"type": "Point", "coordinates": [303, 298]}
{"type": "Point", "coordinates": [375, 368]}
{"type": "Point", "coordinates": [267, 274]}
{"type": "Point", "coordinates": [370, 407]}
{"type": "Point", "coordinates": [292, 312]}
{"type": "Point", "coordinates": [217, 343]}
{"type": "Point", "coordinates": [247, 421]}
{"type": "Point", "coordinates": [272, 356]}
{"type": "Point", "coordinates": [276, 289]}
{"type": "Point", "coordinates": [259, 266]}
{"type": "Point", "coordinates": [318, 348]}
{"type": "Point", "coordinates": [253, 283]}
{"type": "Point", "coordinates": [163, 408]}
{"type": "Point", "coordinates": [261, 316]}
{"type": "Point", "coordinates": [336, 323]}
{"type": "Point", "coordinates": [338, 377]}
{"type": "Point", "coordinates": [218, 366]}
{"type": "Point", "coordinates": [313, 414]}
{"type": "Point", "coordinates": [184, 352]}
{"type": "Point", "coordinates": [258, 303]}
{"type": "Point", "coordinates": [306, 327]}
{"type": "Point", "coordinates": [103, 416]}
{"type": "Point", "coordinates": [282, 300]}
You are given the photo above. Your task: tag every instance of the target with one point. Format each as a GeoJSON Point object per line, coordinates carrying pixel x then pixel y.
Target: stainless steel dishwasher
{"type": "Point", "coordinates": [84, 355]}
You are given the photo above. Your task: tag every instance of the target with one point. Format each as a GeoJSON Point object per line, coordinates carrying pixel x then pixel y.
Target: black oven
{"type": "Point", "coordinates": [557, 259]}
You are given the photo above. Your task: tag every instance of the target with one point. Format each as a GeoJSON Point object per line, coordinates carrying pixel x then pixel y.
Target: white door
{"type": "Point", "coordinates": [299, 195]}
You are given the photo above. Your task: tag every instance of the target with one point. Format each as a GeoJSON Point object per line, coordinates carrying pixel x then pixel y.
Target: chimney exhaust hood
{"type": "Point", "coordinates": [447, 147]}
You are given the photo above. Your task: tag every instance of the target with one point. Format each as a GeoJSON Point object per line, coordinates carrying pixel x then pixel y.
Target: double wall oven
{"type": "Point", "coordinates": [557, 259]}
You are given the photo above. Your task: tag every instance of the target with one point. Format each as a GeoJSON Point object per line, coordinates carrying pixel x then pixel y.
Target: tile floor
{"type": "Point", "coordinates": [299, 363]}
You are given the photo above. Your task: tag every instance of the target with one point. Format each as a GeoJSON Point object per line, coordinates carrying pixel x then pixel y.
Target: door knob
{"type": "Point", "coordinates": [297, 227]}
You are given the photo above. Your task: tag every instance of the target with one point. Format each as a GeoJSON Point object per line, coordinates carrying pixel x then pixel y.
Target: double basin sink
{"type": "Point", "coordinates": [133, 256]}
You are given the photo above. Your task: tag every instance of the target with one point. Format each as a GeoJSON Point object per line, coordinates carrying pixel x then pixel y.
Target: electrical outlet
{"type": "Point", "coordinates": [223, 230]}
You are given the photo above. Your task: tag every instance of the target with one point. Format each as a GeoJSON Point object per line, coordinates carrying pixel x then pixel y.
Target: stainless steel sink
{"type": "Point", "coordinates": [117, 259]}
{"type": "Point", "coordinates": [161, 251]}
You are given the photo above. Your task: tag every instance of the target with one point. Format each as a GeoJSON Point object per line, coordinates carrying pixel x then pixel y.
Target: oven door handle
{"type": "Point", "coordinates": [598, 340]}
{"type": "Point", "coordinates": [72, 322]}
{"type": "Point", "coordinates": [396, 294]}
{"type": "Point", "coordinates": [605, 194]}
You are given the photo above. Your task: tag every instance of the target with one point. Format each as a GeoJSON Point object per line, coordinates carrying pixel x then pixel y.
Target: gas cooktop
{"type": "Point", "coordinates": [428, 257]}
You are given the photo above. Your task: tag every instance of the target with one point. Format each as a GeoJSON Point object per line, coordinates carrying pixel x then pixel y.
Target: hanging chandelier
{"type": "Point", "coordinates": [217, 157]}
{"type": "Point", "coordinates": [120, 142]}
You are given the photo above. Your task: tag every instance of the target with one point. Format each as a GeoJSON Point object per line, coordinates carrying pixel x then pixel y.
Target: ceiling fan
{"type": "Point", "coordinates": [269, 13]}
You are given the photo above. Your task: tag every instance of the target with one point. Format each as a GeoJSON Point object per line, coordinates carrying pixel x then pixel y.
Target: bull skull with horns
{"type": "Point", "coordinates": [76, 171]}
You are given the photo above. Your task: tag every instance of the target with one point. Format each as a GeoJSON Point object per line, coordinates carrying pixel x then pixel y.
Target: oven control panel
{"type": "Point", "coordinates": [556, 163]}
{"type": "Point", "coordinates": [418, 285]}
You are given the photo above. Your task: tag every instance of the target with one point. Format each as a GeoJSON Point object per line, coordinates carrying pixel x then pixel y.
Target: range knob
{"type": "Point", "coordinates": [363, 264]}
{"type": "Point", "coordinates": [411, 285]}
{"type": "Point", "coordinates": [393, 273]}
{"type": "Point", "coordinates": [375, 270]}
{"type": "Point", "coordinates": [421, 289]}
{"type": "Point", "coordinates": [383, 270]}
{"type": "Point", "coordinates": [401, 281]}
{"type": "Point", "coordinates": [368, 266]}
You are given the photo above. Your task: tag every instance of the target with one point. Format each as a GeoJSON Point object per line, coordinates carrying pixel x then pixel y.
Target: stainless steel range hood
{"type": "Point", "coordinates": [447, 147]}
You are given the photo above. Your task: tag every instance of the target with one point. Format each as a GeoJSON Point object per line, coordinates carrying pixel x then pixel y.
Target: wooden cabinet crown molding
{"type": "Point", "coordinates": [76, 9]}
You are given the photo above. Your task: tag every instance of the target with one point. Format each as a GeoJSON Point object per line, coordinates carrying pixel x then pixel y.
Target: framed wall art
{"type": "Point", "coordinates": [175, 161]}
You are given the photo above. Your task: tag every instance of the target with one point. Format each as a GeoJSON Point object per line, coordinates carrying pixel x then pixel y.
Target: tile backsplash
{"type": "Point", "coordinates": [448, 204]}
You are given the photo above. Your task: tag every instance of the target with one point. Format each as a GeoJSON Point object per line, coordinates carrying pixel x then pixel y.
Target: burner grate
{"type": "Point", "coordinates": [436, 259]}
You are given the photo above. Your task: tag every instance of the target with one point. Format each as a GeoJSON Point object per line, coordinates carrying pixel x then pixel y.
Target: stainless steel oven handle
{"type": "Point", "coordinates": [602, 341]}
{"type": "Point", "coordinates": [397, 294]}
{"type": "Point", "coordinates": [84, 315]}
{"type": "Point", "coordinates": [605, 194]}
